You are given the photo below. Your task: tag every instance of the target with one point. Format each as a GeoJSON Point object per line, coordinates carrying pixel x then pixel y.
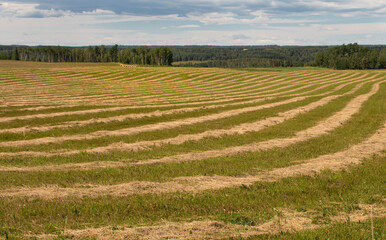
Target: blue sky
{"type": "Point", "coordinates": [200, 22]}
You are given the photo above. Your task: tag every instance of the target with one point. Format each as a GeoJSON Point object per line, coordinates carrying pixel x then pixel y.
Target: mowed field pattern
{"type": "Point", "coordinates": [99, 151]}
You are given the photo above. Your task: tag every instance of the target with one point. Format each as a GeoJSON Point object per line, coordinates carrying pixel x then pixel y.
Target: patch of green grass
{"type": "Point", "coordinates": [116, 125]}
{"type": "Point", "coordinates": [347, 230]}
{"type": "Point", "coordinates": [227, 165]}
{"type": "Point", "coordinates": [325, 195]}
{"type": "Point", "coordinates": [138, 122]}
{"type": "Point", "coordinates": [255, 204]}
{"type": "Point", "coordinates": [36, 122]}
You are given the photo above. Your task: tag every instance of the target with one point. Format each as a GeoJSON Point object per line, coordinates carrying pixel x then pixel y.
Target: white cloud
{"type": "Point", "coordinates": [189, 26]}
{"type": "Point", "coordinates": [257, 17]}
{"type": "Point", "coordinates": [28, 10]}
{"type": "Point", "coordinates": [28, 23]}
{"type": "Point", "coordinates": [70, 34]}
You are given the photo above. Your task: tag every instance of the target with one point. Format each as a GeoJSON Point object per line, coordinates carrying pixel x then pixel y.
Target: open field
{"type": "Point", "coordinates": [98, 151]}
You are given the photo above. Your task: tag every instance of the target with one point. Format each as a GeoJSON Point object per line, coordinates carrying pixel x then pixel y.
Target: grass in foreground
{"type": "Point", "coordinates": [347, 231]}
{"type": "Point", "coordinates": [327, 194]}
{"type": "Point", "coordinates": [256, 203]}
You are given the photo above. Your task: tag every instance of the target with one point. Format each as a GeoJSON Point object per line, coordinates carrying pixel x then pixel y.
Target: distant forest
{"type": "Point", "coordinates": [197, 53]}
{"type": "Point", "coordinates": [141, 55]}
{"type": "Point", "coordinates": [351, 56]}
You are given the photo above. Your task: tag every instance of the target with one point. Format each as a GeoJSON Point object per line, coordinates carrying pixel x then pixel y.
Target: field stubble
{"type": "Point", "coordinates": [98, 151]}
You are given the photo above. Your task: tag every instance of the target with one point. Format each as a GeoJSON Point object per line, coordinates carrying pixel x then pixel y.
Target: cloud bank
{"type": "Point", "coordinates": [172, 22]}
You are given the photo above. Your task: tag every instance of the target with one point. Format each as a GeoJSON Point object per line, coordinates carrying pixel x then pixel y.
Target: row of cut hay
{"type": "Point", "coordinates": [230, 87]}
{"type": "Point", "coordinates": [288, 221]}
{"type": "Point", "coordinates": [122, 96]}
{"type": "Point", "coordinates": [183, 121]}
{"type": "Point", "coordinates": [54, 83]}
{"type": "Point", "coordinates": [73, 173]}
{"type": "Point", "coordinates": [95, 110]}
{"type": "Point", "coordinates": [118, 117]}
{"type": "Point", "coordinates": [238, 129]}
{"type": "Point", "coordinates": [142, 80]}
{"type": "Point", "coordinates": [76, 186]}
{"type": "Point", "coordinates": [321, 128]}
{"type": "Point", "coordinates": [45, 79]}
{"type": "Point", "coordinates": [54, 107]}
{"type": "Point", "coordinates": [147, 99]}
{"type": "Point", "coordinates": [54, 95]}
{"type": "Point", "coordinates": [90, 76]}
{"type": "Point", "coordinates": [147, 128]}
{"type": "Point", "coordinates": [99, 95]}
{"type": "Point", "coordinates": [20, 75]}
{"type": "Point", "coordinates": [250, 92]}
{"type": "Point", "coordinates": [107, 109]}
{"type": "Point", "coordinates": [337, 161]}
{"type": "Point", "coordinates": [75, 80]}
{"type": "Point", "coordinates": [179, 140]}
{"type": "Point", "coordinates": [257, 85]}
{"type": "Point", "coordinates": [143, 76]}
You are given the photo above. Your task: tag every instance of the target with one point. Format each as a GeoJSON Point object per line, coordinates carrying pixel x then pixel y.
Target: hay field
{"type": "Point", "coordinates": [98, 151]}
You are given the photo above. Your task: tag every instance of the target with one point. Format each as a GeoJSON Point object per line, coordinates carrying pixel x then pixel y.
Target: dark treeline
{"type": "Point", "coordinates": [241, 63]}
{"type": "Point", "coordinates": [144, 55]}
{"type": "Point", "coordinates": [341, 57]}
{"type": "Point", "coordinates": [305, 54]}
{"type": "Point", "coordinates": [294, 54]}
{"type": "Point", "coordinates": [352, 56]}
{"type": "Point", "coordinates": [141, 55]}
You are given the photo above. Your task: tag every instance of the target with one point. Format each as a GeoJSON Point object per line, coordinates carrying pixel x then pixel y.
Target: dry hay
{"type": "Point", "coordinates": [287, 221]}
{"type": "Point", "coordinates": [321, 128]}
{"type": "Point", "coordinates": [336, 161]}
{"type": "Point", "coordinates": [149, 127]}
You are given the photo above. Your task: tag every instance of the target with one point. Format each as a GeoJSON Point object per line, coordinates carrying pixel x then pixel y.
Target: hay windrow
{"type": "Point", "coordinates": [336, 161]}
{"type": "Point", "coordinates": [289, 221]}
{"type": "Point", "coordinates": [149, 127]}
{"type": "Point", "coordinates": [103, 188]}
{"type": "Point", "coordinates": [321, 128]}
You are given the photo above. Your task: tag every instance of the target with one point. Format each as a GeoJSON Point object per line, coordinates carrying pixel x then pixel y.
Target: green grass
{"type": "Point", "coordinates": [90, 127]}
{"type": "Point", "coordinates": [347, 230]}
{"type": "Point", "coordinates": [227, 165]}
{"type": "Point", "coordinates": [325, 195]}
{"type": "Point", "coordinates": [257, 203]}
{"type": "Point", "coordinates": [114, 125]}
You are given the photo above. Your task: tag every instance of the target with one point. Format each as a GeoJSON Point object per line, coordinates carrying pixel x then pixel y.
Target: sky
{"type": "Point", "coordinates": [193, 22]}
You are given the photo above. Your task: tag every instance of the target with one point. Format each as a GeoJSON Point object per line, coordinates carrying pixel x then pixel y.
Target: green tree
{"type": "Point", "coordinates": [15, 54]}
{"type": "Point", "coordinates": [351, 56]}
{"type": "Point", "coordinates": [382, 59]}
{"type": "Point", "coordinates": [143, 54]}
{"type": "Point", "coordinates": [373, 58]}
{"type": "Point", "coordinates": [114, 53]}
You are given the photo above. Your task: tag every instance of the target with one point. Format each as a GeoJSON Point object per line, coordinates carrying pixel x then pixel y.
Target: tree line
{"type": "Point", "coordinates": [301, 54]}
{"type": "Point", "coordinates": [141, 55]}
{"type": "Point", "coordinates": [351, 56]}
{"type": "Point", "coordinates": [159, 55]}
